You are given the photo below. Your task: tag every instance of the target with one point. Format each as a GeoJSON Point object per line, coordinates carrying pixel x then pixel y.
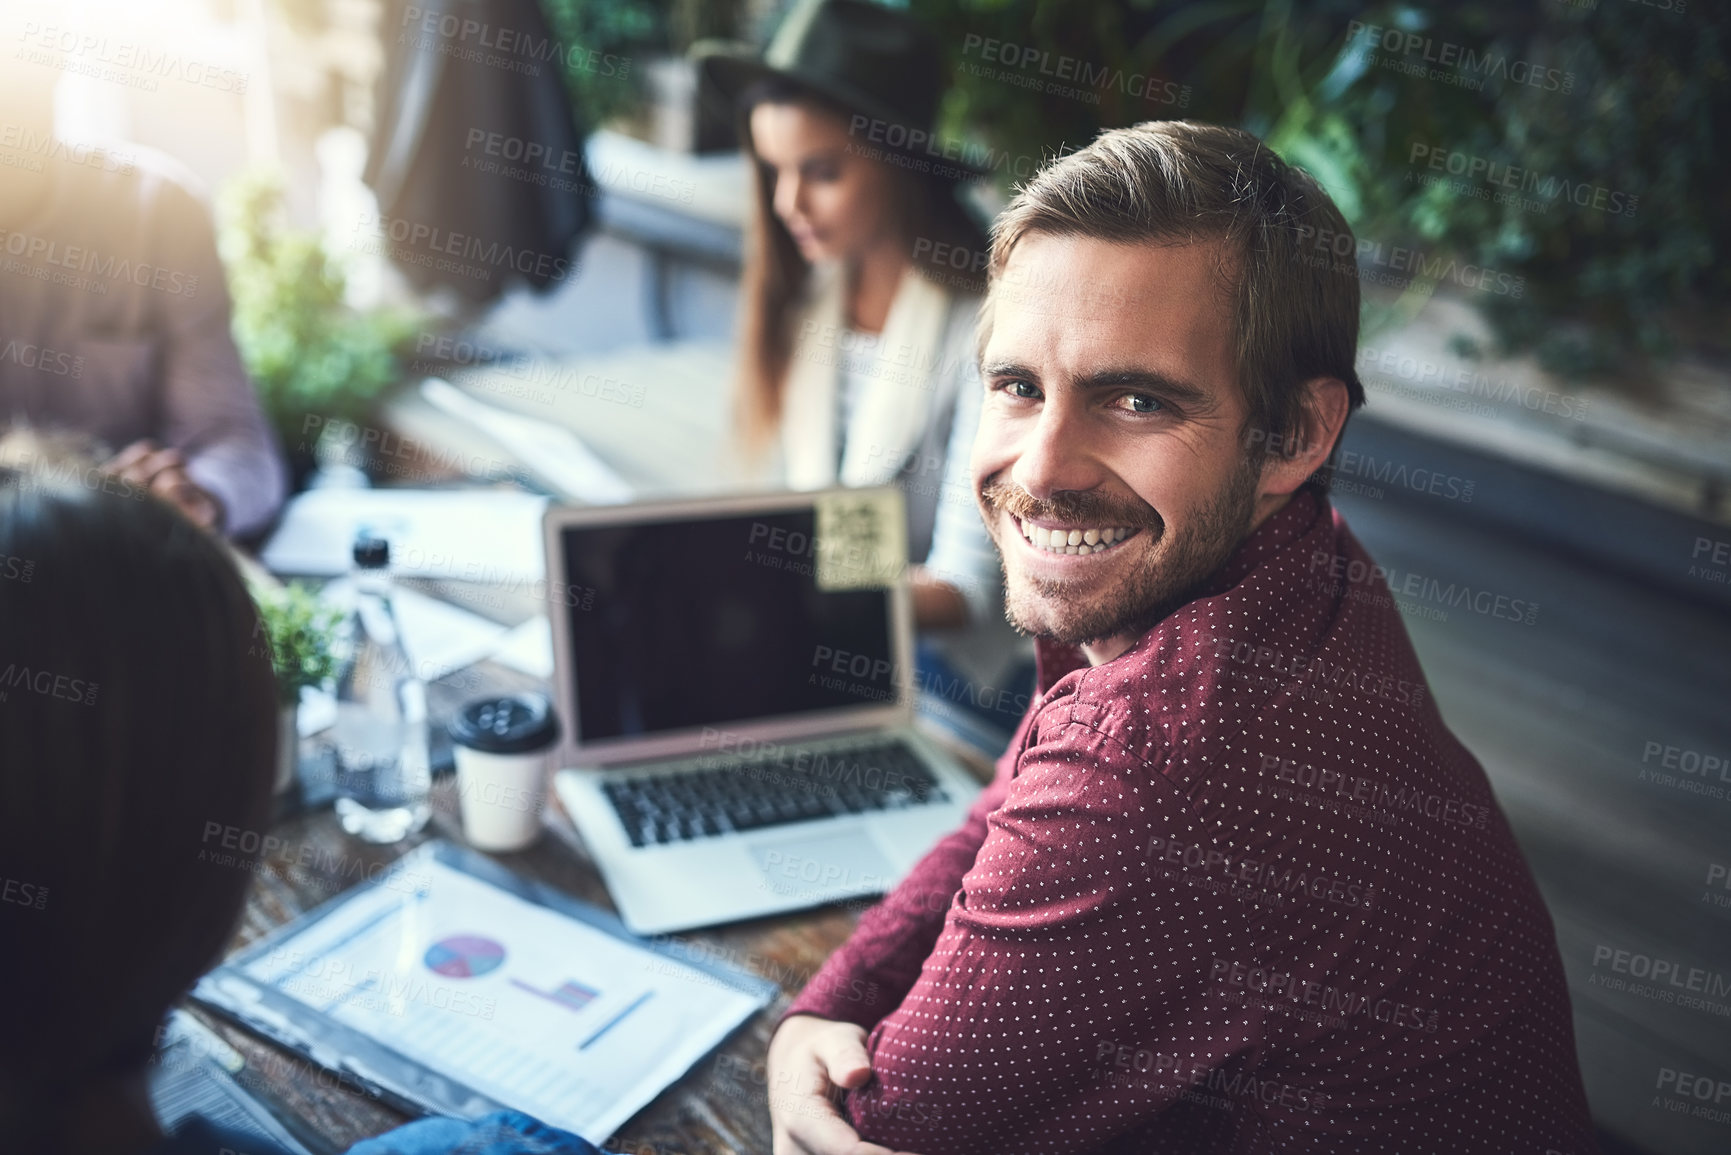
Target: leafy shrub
{"type": "Point", "coordinates": [1639, 108]}
{"type": "Point", "coordinates": [306, 350]}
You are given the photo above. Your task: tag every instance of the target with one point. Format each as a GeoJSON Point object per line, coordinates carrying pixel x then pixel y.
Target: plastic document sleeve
{"type": "Point", "coordinates": [452, 986]}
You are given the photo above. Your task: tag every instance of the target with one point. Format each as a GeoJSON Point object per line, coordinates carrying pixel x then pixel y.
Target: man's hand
{"type": "Point", "coordinates": [162, 472]}
{"type": "Point", "coordinates": [809, 1060]}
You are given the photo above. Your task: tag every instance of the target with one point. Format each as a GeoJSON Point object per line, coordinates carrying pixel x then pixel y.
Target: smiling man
{"type": "Point", "coordinates": [1236, 887]}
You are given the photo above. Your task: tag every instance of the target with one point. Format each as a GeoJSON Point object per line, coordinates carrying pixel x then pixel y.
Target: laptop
{"type": "Point", "coordinates": [735, 682]}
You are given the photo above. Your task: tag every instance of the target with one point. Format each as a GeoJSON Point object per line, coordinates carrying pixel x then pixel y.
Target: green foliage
{"type": "Point", "coordinates": [1109, 62]}
{"type": "Point", "coordinates": [1639, 104]}
{"type": "Point", "coordinates": [1630, 102]}
{"type": "Point", "coordinates": [621, 29]}
{"type": "Point", "coordinates": [306, 350]}
{"type": "Point", "coordinates": [607, 42]}
{"type": "Point", "coordinates": [300, 628]}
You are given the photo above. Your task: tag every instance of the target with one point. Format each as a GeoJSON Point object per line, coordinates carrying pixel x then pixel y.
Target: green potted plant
{"type": "Point", "coordinates": [298, 628]}
{"type": "Point", "coordinates": [306, 349]}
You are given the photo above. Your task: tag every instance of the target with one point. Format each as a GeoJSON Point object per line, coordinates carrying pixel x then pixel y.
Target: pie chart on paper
{"type": "Point", "coordinates": [464, 956]}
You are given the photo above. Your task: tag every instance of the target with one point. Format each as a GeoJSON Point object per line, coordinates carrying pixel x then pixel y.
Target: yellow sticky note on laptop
{"type": "Point", "coordinates": [862, 540]}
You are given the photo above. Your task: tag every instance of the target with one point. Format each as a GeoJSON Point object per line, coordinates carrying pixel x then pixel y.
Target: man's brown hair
{"type": "Point", "coordinates": [1295, 304]}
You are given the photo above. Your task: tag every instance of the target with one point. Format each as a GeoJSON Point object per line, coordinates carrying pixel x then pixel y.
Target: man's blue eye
{"type": "Point", "coordinates": [1023, 389]}
{"type": "Point", "coordinates": [1142, 403]}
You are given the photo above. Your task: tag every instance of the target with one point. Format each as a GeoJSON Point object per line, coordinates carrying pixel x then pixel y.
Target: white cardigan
{"type": "Point", "coordinates": [912, 426]}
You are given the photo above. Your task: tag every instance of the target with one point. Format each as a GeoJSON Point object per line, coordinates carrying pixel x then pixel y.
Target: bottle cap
{"type": "Point", "coordinates": [508, 724]}
{"type": "Point", "coordinates": [371, 552]}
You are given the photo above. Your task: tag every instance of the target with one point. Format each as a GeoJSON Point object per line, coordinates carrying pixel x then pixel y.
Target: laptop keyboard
{"type": "Point", "coordinates": [683, 805]}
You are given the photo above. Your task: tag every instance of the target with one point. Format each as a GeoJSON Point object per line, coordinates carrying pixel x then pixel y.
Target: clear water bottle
{"type": "Point", "coordinates": [383, 770]}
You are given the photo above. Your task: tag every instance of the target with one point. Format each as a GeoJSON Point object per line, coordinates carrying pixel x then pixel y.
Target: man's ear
{"type": "Point", "coordinates": [1322, 413]}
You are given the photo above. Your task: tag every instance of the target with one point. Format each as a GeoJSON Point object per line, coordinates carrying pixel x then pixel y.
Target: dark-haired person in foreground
{"type": "Point", "coordinates": [1236, 887]}
{"type": "Point", "coordinates": [133, 710]}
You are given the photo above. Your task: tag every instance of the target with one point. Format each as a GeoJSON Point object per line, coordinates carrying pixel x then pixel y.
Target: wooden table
{"type": "Point", "coordinates": [719, 1107]}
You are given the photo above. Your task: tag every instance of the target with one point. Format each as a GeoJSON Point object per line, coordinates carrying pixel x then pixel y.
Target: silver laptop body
{"type": "Point", "coordinates": [738, 732]}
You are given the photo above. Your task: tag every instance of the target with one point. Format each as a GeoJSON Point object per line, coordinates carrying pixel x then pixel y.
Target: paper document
{"type": "Point", "coordinates": [507, 998]}
{"type": "Point", "coordinates": [194, 1074]}
{"type": "Point", "coordinates": [528, 648]}
{"type": "Point", "coordinates": [551, 451]}
{"type": "Point", "coordinates": [479, 535]}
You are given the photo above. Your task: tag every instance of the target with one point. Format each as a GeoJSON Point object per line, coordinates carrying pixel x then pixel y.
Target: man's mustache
{"type": "Point", "coordinates": [1074, 507]}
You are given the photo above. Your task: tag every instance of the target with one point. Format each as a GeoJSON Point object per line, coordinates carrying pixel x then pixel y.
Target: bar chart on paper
{"type": "Point", "coordinates": [572, 996]}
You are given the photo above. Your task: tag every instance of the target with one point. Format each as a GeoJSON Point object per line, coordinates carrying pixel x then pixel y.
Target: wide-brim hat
{"type": "Point", "coordinates": [877, 62]}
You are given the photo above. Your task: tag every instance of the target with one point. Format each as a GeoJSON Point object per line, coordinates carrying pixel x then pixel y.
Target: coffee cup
{"type": "Point", "coordinates": [501, 746]}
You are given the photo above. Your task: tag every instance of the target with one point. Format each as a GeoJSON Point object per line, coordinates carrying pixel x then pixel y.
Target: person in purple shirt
{"type": "Point", "coordinates": [136, 707]}
{"type": "Point", "coordinates": [114, 314]}
{"type": "Point", "coordinates": [1236, 886]}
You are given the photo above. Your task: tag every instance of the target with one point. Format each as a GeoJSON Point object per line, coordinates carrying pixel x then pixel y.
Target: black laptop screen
{"type": "Point", "coordinates": [678, 625]}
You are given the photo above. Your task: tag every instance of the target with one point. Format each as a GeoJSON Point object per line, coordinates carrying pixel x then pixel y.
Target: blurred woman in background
{"type": "Point", "coordinates": [862, 283]}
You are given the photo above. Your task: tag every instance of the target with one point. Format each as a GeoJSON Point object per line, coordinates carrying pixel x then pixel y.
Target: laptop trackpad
{"type": "Point", "coordinates": [842, 860]}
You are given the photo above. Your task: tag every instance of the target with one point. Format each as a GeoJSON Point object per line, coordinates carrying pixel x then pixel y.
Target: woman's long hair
{"type": "Point", "coordinates": [775, 273]}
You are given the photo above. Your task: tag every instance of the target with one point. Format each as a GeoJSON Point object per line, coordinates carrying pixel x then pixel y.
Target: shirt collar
{"type": "Point", "coordinates": [1287, 524]}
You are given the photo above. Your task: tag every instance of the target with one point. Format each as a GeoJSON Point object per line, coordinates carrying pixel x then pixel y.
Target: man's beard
{"type": "Point", "coordinates": [1182, 561]}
